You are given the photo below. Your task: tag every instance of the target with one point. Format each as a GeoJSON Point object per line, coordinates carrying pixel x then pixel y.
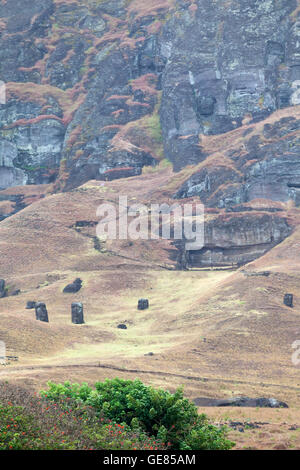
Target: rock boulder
{"type": "Point", "coordinates": [74, 287]}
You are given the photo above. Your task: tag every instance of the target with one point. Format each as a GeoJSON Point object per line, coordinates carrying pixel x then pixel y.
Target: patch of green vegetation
{"type": "Point", "coordinates": [154, 126]}
{"type": "Point", "coordinates": [65, 426]}
{"type": "Point", "coordinates": [90, 50]}
{"type": "Point", "coordinates": [159, 414]}
{"type": "Point", "coordinates": [261, 289]}
{"type": "Point", "coordinates": [165, 163]}
{"type": "Point", "coordinates": [44, 284]}
{"type": "Point", "coordinates": [34, 168]}
{"type": "Point", "coordinates": [261, 101]}
{"type": "Point", "coordinates": [83, 70]}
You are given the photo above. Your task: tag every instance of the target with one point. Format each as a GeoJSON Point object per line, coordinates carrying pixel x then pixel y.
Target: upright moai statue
{"type": "Point", "coordinates": [288, 300]}
{"type": "Point", "coordinates": [77, 313]}
{"type": "Point", "coordinates": [143, 304]}
{"type": "Point", "coordinates": [41, 313]}
{"type": "Point", "coordinates": [2, 288]}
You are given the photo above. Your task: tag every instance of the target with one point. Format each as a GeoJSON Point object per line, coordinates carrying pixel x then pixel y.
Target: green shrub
{"type": "Point", "coordinates": [21, 431]}
{"type": "Point", "coordinates": [31, 423]}
{"type": "Point", "coordinates": [168, 417]}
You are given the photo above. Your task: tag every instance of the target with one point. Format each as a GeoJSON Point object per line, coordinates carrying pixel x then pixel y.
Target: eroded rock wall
{"type": "Point", "coordinates": [98, 85]}
{"type": "Point", "coordinates": [239, 239]}
{"type": "Point", "coordinates": [99, 89]}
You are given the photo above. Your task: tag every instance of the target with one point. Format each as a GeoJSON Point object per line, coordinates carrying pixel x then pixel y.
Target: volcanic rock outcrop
{"type": "Point", "coordinates": [99, 90]}
{"type": "Point", "coordinates": [242, 402]}
{"type": "Point", "coordinates": [74, 287]}
{"type": "Point", "coordinates": [95, 86]}
{"type": "Point", "coordinates": [239, 239]}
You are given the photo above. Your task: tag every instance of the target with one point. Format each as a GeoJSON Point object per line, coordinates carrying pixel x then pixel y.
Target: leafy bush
{"type": "Point", "coordinates": [20, 431]}
{"type": "Point", "coordinates": [168, 417]}
{"type": "Point", "coordinates": [30, 422]}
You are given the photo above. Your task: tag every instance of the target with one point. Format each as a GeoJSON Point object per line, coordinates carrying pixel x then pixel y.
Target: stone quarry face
{"type": "Point", "coordinates": [88, 101]}
{"type": "Point", "coordinates": [242, 59]}
{"type": "Point", "coordinates": [239, 239]}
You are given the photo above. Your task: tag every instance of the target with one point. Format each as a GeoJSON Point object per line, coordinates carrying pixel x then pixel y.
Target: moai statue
{"type": "Point", "coordinates": [143, 304]}
{"type": "Point", "coordinates": [288, 300]}
{"type": "Point", "coordinates": [41, 312]}
{"type": "Point", "coordinates": [2, 288]}
{"type": "Point", "coordinates": [77, 313]}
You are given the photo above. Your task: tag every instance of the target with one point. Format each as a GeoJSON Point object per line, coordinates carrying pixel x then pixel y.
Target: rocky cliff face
{"type": "Point", "coordinates": [254, 162]}
{"type": "Point", "coordinates": [99, 89]}
{"type": "Point", "coordinates": [237, 240]}
{"type": "Point", "coordinates": [226, 60]}
{"type": "Point", "coordinates": [97, 85]}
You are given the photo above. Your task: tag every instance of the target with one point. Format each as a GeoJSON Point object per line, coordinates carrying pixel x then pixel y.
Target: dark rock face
{"type": "Point", "coordinates": [143, 304]}
{"type": "Point", "coordinates": [77, 313]}
{"type": "Point", "coordinates": [183, 257]}
{"type": "Point", "coordinates": [236, 57]}
{"type": "Point", "coordinates": [269, 169]}
{"type": "Point", "coordinates": [256, 274]}
{"type": "Point", "coordinates": [118, 173]}
{"type": "Point", "coordinates": [74, 287]}
{"type": "Point", "coordinates": [98, 90]}
{"type": "Point", "coordinates": [30, 304]}
{"type": "Point", "coordinates": [2, 288]}
{"type": "Point", "coordinates": [242, 401]}
{"type": "Point", "coordinates": [288, 300]}
{"type": "Point", "coordinates": [86, 82]}
{"type": "Point", "coordinates": [41, 312]}
{"type": "Point", "coordinates": [238, 239]}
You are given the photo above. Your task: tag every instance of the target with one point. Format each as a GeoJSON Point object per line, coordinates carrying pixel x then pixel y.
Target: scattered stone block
{"type": "Point", "coordinates": [41, 312]}
{"type": "Point", "coordinates": [77, 313]}
{"type": "Point", "coordinates": [74, 287]}
{"type": "Point", "coordinates": [16, 292]}
{"type": "Point", "coordinates": [143, 304]}
{"type": "Point", "coordinates": [260, 402]}
{"type": "Point", "coordinates": [288, 300]}
{"type": "Point", "coordinates": [30, 304]}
